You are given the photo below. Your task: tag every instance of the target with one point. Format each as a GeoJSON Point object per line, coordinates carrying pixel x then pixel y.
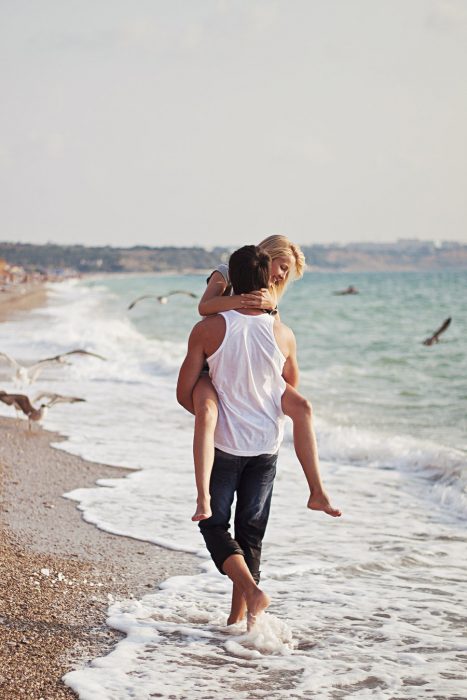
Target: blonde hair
{"type": "Point", "coordinates": [280, 246]}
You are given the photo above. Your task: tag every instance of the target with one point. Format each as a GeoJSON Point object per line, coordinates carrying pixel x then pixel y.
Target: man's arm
{"type": "Point", "coordinates": [191, 368]}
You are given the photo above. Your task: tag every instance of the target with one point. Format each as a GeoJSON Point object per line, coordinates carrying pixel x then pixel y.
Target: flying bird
{"type": "Point", "coordinates": [35, 414]}
{"type": "Point", "coordinates": [27, 374]}
{"type": "Point", "coordinates": [162, 299]}
{"type": "Point", "coordinates": [435, 337]}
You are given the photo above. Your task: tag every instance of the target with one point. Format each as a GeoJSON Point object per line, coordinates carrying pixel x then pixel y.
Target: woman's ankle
{"type": "Point", "coordinates": [203, 498]}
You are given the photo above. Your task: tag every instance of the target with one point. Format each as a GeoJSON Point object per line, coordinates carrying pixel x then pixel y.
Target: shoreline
{"type": "Point", "coordinates": [58, 570]}
{"type": "Point", "coordinates": [59, 573]}
{"type": "Point", "coordinates": [22, 298]}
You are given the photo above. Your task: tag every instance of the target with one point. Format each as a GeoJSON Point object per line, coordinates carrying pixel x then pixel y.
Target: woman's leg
{"type": "Point", "coordinates": [300, 411]}
{"type": "Point", "coordinates": [205, 405]}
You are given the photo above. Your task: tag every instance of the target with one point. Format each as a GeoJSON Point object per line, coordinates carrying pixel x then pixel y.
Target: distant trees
{"type": "Point", "coordinates": [404, 255]}
{"type": "Point", "coordinates": [108, 259]}
{"type": "Point", "coordinates": [50, 255]}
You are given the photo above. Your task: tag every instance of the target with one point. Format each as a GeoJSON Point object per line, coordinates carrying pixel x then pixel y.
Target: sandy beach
{"type": "Point", "coordinates": [58, 572]}
{"type": "Point", "coordinates": [21, 298]}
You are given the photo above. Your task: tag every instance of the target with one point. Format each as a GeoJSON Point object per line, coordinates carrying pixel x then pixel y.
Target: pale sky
{"type": "Point", "coordinates": [219, 122]}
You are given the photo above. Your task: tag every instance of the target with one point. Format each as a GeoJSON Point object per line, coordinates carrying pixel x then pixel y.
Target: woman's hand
{"type": "Point", "coordinates": [261, 299]}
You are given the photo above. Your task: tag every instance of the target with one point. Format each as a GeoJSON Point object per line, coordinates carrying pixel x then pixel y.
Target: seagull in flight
{"type": "Point", "coordinates": [435, 337]}
{"type": "Point", "coordinates": [28, 374]}
{"type": "Point", "coordinates": [162, 299]}
{"type": "Point", "coordinates": [35, 414]}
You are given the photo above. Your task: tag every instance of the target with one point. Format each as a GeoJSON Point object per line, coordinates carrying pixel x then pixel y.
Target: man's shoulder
{"type": "Point", "coordinates": [283, 330]}
{"type": "Point", "coordinates": [209, 326]}
{"type": "Point", "coordinates": [214, 321]}
{"type": "Point", "coordinates": [284, 338]}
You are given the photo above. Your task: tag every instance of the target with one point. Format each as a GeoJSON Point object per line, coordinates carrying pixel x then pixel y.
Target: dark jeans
{"type": "Point", "coordinates": [252, 478]}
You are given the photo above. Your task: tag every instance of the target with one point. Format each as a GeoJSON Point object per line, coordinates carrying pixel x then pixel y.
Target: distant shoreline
{"type": "Point", "coordinates": [406, 255]}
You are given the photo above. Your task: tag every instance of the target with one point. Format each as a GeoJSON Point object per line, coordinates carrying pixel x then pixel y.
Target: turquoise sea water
{"type": "Point", "coordinates": [362, 359]}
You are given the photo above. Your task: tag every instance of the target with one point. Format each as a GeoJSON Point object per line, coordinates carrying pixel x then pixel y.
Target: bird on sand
{"type": "Point", "coordinates": [435, 337]}
{"type": "Point", "coordinates": [28, 374]}
{"type": "Point", "coordinates": [162, 299]}
{"type": "Point", "coordinates": [35, 414]}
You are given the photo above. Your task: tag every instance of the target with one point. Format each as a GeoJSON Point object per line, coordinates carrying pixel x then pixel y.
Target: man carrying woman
{"type": "Point", "coordinates": [287, 264]}
{"type": "Point", "coordinates": [252, 361]}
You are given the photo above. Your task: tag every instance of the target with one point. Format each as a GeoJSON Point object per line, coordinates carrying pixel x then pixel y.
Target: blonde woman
{"type": "Point", "coordinates": [288, 263]}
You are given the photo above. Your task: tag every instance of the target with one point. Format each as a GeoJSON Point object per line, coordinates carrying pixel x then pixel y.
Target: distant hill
{"type": "Point", "coordinates": [405, 254]}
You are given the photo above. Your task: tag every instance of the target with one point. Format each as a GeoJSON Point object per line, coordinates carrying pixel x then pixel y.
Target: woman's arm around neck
{"type": "Point", "coordinates": [213, 301]}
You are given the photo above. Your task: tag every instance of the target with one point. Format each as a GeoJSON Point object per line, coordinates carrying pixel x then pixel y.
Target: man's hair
{"type": "Point", "coordinates": [249, 269]}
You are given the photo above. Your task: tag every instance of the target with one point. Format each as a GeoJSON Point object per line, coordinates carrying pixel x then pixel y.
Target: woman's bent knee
{"type": "Point", "coordinates": [205, 399]}
{"type": "Point", "coordinates": [206, 411]}
{"type": "Point", "coordinates": [297, 407]}
{"type": "Point", "coordinates": [307, 408]}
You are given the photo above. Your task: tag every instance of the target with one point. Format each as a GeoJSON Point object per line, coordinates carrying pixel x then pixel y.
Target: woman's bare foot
{"type": "Point", "coordinates": [257, 602]}
{"type": "Point", "coordinates": [320, 501]}
{"type": "Point", "coordinates": [203, 510]}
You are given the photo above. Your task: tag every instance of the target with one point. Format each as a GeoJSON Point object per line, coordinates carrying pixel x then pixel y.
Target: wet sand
{"type": "Point", "coordinates": [22, 298]}
{"type": "Point", "coordinates": [57, 570]}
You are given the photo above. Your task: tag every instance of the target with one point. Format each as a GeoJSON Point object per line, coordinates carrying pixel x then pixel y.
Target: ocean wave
{"type": "Point", "coordinates": [445, 468]}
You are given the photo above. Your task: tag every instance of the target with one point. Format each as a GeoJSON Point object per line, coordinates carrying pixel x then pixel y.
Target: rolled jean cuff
{"type": "Point", "coordinates": [219, 561]}
{"type": "Point", "coordinates": [219, 544]}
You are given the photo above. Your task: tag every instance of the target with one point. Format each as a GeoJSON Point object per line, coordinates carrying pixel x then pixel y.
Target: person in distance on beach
{"type": "Point", "coordinates": [287, 263]}
{"type": "Point", "coordinates": [251, 357]}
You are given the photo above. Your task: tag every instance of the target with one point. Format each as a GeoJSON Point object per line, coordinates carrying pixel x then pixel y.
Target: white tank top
{"type": "Point", "coordinates": [246, 371]}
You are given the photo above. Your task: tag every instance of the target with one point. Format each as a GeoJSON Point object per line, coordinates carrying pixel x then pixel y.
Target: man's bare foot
{"type": "Point", "coordinates": [320, 501]}
{"type": "Point", "coordinates": [257, 602]}
{"type": "Point", "coordinates": [203, 510]}
{"type": "Point", "coordinates": [231, 620]}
